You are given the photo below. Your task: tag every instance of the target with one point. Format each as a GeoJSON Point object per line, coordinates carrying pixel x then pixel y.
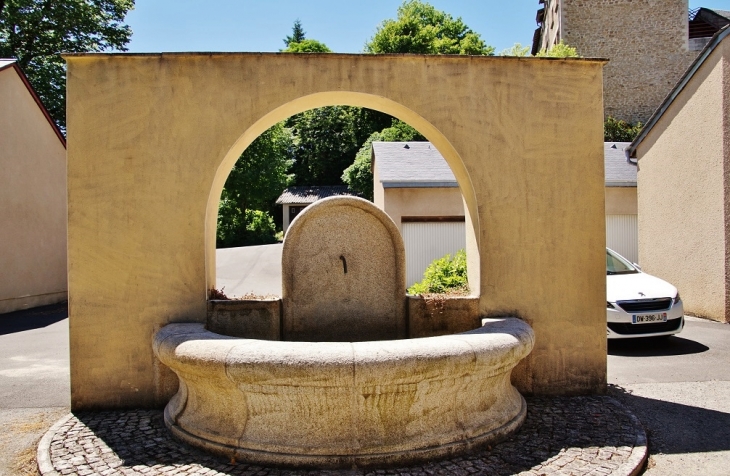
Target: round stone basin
{"type": "Point", "coordinates": [344, 404]}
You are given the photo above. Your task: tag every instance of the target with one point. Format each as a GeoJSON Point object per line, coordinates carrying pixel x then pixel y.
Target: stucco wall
{"type": "Point", "coordinates": [645, 40]}
{"type": "Point", "coordinates": [621, 201]}
{"type": "Point", "coordinates": [422, 202]}
{"type": "Point", "coordinates": [682, 192]}
{"type": "Point", "coordinates": [32, 201]}
{"type": "Point", "coordinates": [152, 139]}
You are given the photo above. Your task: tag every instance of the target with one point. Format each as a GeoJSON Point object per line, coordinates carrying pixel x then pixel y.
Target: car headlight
{"type": "Point", "coordinates": [677, 299]}
{"type": "Point", "coordinates": [610, 306]}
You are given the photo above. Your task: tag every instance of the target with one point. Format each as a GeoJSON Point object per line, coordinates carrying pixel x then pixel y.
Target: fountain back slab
{"type": "Point", "coordinates": [343, 274]}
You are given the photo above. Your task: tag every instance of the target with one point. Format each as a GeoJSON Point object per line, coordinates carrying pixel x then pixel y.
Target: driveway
{"type": "Point", "coordinates": [249, 269]}
{"type": "Point", "coordinates": [679, 389]}
{"type": "Point", "coordinates": [34, 382]}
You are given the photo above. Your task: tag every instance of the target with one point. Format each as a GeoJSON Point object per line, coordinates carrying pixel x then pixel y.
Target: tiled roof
{"type": "Point", "coordinates": [411, 164]}
{"type": "Point", "coordinates": [724, 13]}
{"type": "Point", "coordinates": [310, 194]}
{"type": "Point", "coordinates": [619, 173]}
{"type": "Point", "coordinates": [421, 165]}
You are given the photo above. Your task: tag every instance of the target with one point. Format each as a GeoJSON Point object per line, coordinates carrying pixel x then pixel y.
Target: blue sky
{"type": "Point", "coordinates": [344, 26]}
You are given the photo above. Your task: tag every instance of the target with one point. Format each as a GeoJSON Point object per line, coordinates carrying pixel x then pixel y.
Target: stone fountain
{"type": "Point", "coordinates": [347, 383]}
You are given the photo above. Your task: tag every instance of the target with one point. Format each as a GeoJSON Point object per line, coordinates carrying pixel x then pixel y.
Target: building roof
{"type": "Point", "coordinates": [310, 194]}
{"type": "Point", "coordinates": [705, 22]}
{"type": "Point", "coordinates": [677, 90]}
{"type": "Point", "coordinates": [411, 164]}
{"type": "Point", "coordinates": [619, 173]}
{"type": "Point", "coordinates": [421, 165]}
{"type": "Point", "coordinates": [6, 63]}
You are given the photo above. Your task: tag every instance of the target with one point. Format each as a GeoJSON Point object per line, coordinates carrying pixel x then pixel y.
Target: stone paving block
{"type": "Point", "coordinates": [578, 436]}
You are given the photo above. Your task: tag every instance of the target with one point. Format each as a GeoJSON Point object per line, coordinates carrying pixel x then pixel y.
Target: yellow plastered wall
{"type": "Point", "coordinates": [32, 201]}
{"type": "Point", "coordinates": [152, 139]}
{"type": "Point", "coordinates": [683, 191]}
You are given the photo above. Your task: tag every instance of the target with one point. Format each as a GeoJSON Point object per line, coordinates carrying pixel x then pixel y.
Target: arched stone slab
{"type": "Point", "coordinates": [343, 274]}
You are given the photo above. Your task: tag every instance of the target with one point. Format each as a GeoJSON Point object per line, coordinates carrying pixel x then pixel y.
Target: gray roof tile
{"type": "Point", "coordinates": [411, 164]}
{"type": "Point", "coordinates": [310, 194]}
{"type": "Point", "coordinates": [619, 173]}
{"type": "Point", "coordinates": [421, 165]}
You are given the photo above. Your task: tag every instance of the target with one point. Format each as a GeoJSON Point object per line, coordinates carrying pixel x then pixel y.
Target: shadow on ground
{"type": "Point", "coordinates": [654, 347]}
{"type": "Point", "coordinates": [19, 321]}
{"type": "Point", "coordinates": [574, 434]}
{"type": "Point", "coordinates": [674, 428]}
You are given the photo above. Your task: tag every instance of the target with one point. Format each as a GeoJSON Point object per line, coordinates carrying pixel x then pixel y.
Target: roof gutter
{"type": "Point", "coordinates": [654, 119]}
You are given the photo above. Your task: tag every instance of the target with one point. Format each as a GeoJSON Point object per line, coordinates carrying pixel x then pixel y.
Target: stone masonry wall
{"type": "Point", "coordinates": [645, 40]}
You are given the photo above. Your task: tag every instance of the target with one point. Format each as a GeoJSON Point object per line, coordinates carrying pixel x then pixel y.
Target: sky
{"type": "Point", "coordinates": [343, 25]}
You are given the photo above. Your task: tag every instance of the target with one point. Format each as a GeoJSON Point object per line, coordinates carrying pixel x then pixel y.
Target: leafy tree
{"type": "Point", "coordinates": [327, 139]}
{"type": "Point", "coordinates": [359, 175]}
{"type": "Point", "coordinates": [307, 46]}
{"type": "Point", "coordinates": [36, 31]}
{"type": "Point", "coordinates": [516, 50]}
{"type": "Point", "coordinates": [257, 178]}
{"type": "Point", "coordinates": [444, 275]}
{"type": "Point", "coordinates": [560, 50]}
{"type": "Point", "coordinates": [420, 28]}
{"type": "Point", "coordinates": [617, 130]}
{"type": "Point", "coordinates": [297, 35]}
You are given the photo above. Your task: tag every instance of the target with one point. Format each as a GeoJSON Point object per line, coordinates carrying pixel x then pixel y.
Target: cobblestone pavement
{"type": "Point", "coordinates": [593, 435]}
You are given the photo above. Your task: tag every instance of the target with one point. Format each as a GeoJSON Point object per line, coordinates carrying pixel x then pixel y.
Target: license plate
{"type": "Point", "coordinates": [649, 318]}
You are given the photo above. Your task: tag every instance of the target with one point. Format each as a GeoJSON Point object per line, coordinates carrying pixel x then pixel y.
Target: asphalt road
{"type": "Point", "coordinates": [678, 387]}
{"type": "Point", "coordinates": [34, 382]}
{"type": "Point", "coordinates": [249, 269]}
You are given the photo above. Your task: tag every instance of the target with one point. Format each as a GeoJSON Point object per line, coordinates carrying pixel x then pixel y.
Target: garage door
{"type": "Point", "coordinates": [622, 236]}
{"type": "Point", "coordinates": [427, 241]}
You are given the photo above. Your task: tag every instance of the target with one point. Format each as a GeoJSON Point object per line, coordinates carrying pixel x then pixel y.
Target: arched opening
{"type": "Point", "coordinates": [340, 98]}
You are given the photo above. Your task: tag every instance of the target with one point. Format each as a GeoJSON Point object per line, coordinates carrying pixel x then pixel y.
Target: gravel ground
{"type": "Point", "coordinates": [22, 428]}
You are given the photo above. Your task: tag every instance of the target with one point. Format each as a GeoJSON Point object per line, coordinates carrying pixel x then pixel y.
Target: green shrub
{"type": "Point", "coordinates": [444, 275]}
{"type": "Point", "coordinates": [561, 50]}
{"type": "Point", "coordinates": [618, 130]}
{"type": "Point", "coordinates": [253, 227]}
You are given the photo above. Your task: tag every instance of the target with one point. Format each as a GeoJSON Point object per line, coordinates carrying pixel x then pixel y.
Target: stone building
{"type": "Point", "coordinates": [647, 43]}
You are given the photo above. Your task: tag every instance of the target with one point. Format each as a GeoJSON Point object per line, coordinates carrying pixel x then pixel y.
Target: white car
{"type": "Point", "coordinates": [639, 304]}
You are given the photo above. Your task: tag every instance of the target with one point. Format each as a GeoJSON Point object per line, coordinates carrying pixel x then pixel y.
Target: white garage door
{"type": "Point", "coordinates": [427, 241]}
{"type": "Point", "coordinates": [622, 236]}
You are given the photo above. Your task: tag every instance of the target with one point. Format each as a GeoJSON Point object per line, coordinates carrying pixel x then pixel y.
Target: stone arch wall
{"type": "Point", "coordinates": [150, 137]}
{"type": "Point", "coordinates": [346, 98]}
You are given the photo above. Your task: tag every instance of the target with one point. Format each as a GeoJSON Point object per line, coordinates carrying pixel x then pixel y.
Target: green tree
{"type": "Point", "coordinates": [307, 46]}
{"type": "Point", "coordinates": [327, 139]}
{"type": "Point", "coordinates": [257, 178]}
{"type": "Point", "coordinates": [36, 31]}
{"type": "Point", "coordinates": [297, 34]}
{"type": "Point", "coordinates": [421, 29]}
{"type": "Point", "coordinates": [617, 130]}
{"type": "Point", "coordinates": [359, 175]}
{"type": "Point", "coordinates": [516, 50]}
{"type": "Point", "coordinates": [560, 50]}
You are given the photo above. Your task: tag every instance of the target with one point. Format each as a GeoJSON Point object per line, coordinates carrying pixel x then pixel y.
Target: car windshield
{"type": "Point", "coordinates": [616, 264]}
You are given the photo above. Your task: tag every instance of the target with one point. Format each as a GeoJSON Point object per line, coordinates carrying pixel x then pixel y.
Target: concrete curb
{"type": "Point", "coordinates": [43, 455]}
{"type": "Point", "coordinates": [640, 453]}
